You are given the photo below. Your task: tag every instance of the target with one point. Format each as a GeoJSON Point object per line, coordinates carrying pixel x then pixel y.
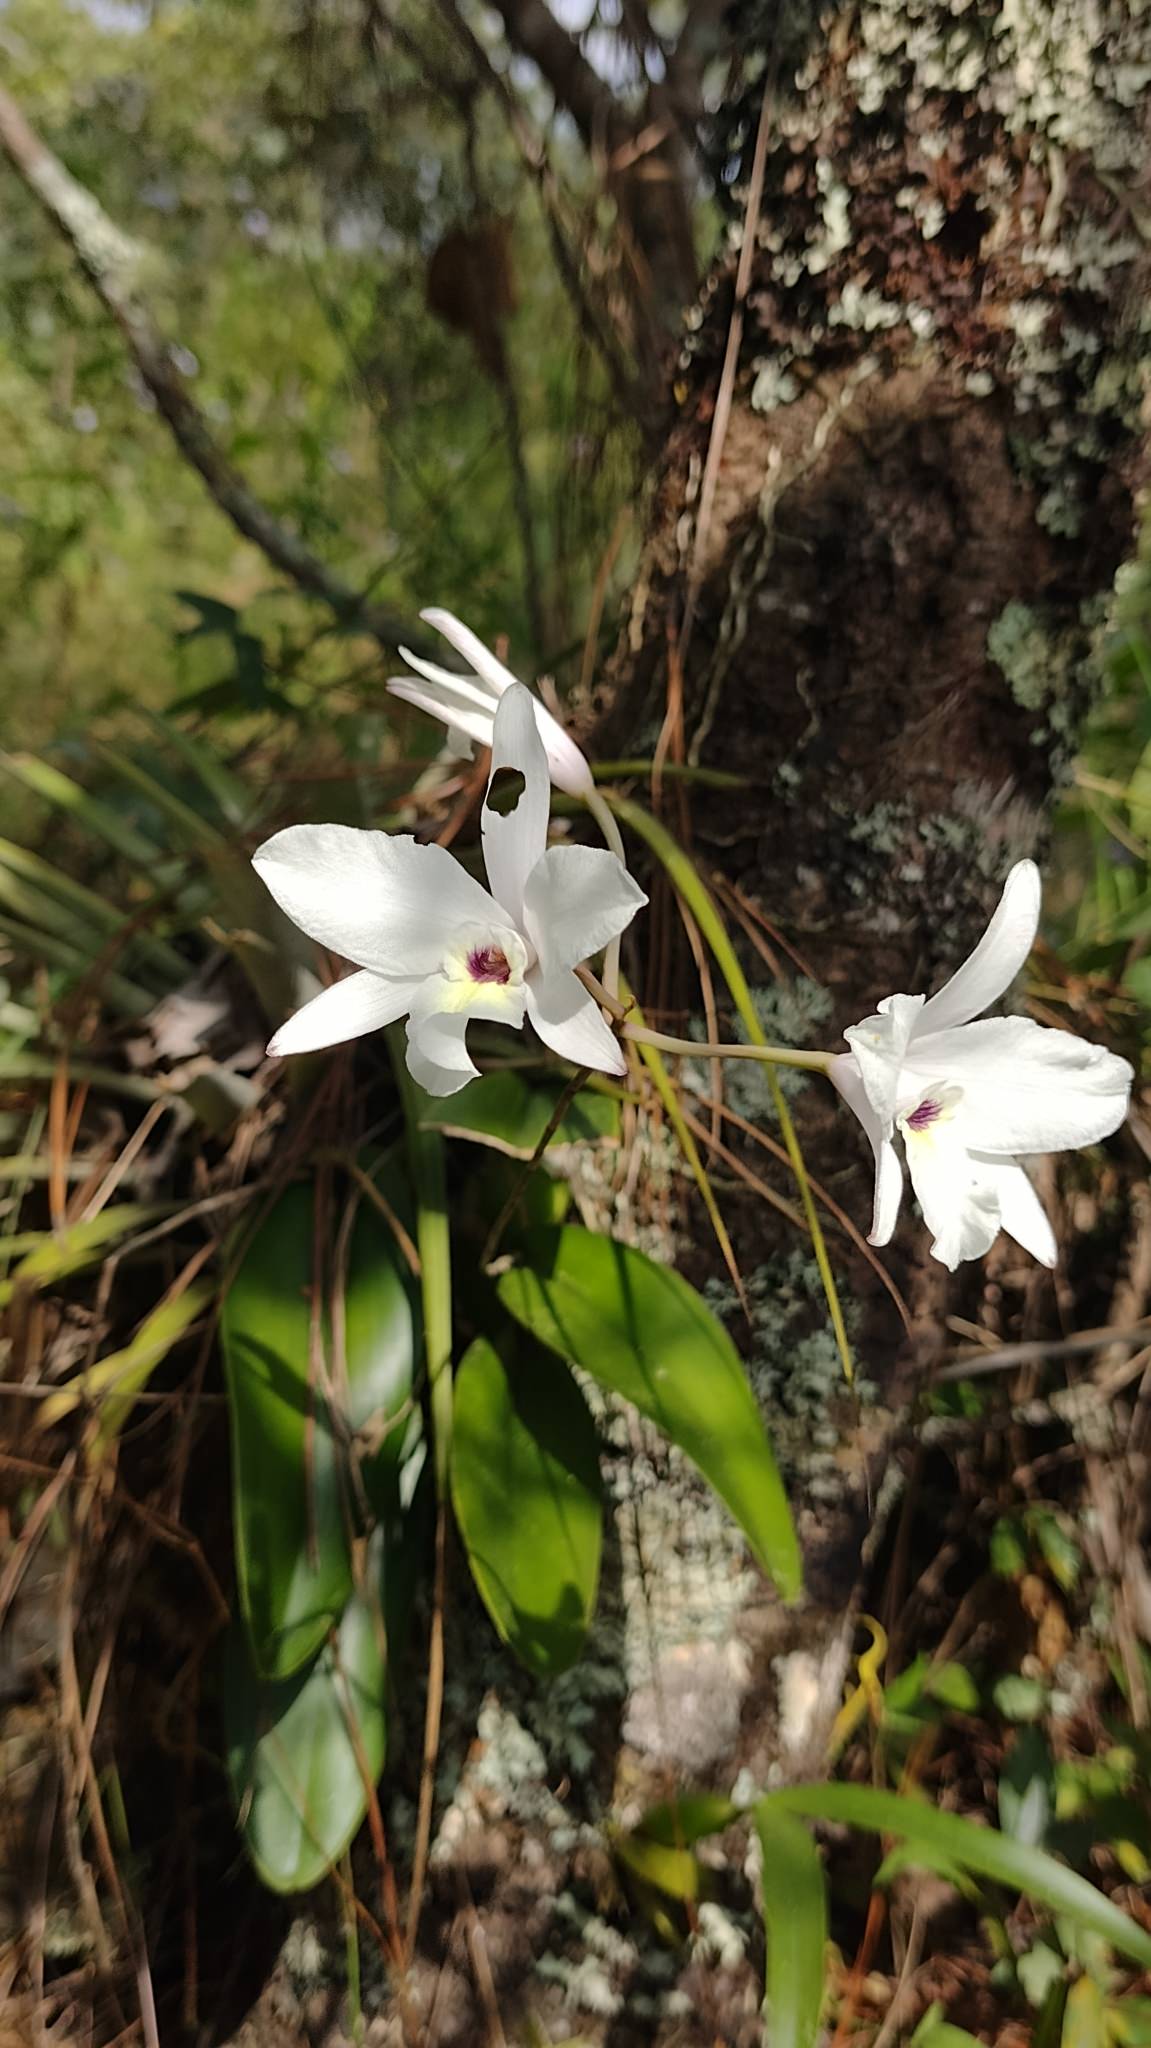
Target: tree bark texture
{"type": "Point", "coordinates": [929, 478]}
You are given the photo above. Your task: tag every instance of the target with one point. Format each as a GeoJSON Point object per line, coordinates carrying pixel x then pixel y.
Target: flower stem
{"type": "Point", "coordinates": [433, 1238]}
{"type": "Point", "coordinates": [696, 1048]}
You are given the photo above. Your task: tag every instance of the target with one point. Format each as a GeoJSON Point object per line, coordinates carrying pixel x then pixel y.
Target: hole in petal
{"type": "Point", "coordinates": [507, 787]}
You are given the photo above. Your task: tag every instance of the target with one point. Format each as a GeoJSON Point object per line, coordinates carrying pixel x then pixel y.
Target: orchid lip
{"type": "Point", "coordinates": [489, 963]}
{"type": "Point", "coordinates": [924, 1115]}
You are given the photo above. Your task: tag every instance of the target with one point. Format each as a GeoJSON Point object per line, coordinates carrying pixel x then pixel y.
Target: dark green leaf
{"type": "Point", "coordinates": [293, 1494]}
{"type": "Point", "coordinates": [526, 1491]}
{"type": "Point", "coordinates": [639, 1329]}
{"type": "Point", "coordinates": [795, 1915]}
{"type": "Point", "coordinates": [304, 1753]}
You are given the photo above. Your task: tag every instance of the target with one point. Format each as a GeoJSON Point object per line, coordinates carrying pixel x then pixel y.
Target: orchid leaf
{"type": "Point", "coordinates": [304, 1753]}
{"type": "Point", "coordinates": [504, 1111]}
{"type": "Point", "coordinates": [295, 1403]}
{"type": "Point", "coordinates": [673, 1871]}
{"type": "Point", "coordinates": [527, 1497]}
{"type": "Point", "coordinates": [640, 1330]}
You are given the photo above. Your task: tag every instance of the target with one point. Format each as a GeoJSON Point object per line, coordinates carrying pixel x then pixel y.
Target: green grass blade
{"type": "Point", "coordinates": [37, 1066]}
{"type": "Point", "coordinates": [124, 996]}
{"type": "Point", "coordinates": [86, 913]}
{"type": "Point", "coordinates": [98, 818]}
{"type": "Point", "coordinates": [665, 1088]}
{"type": "Point", "coordinates": [115, 1380]}
{"type": "Point", "coordinates": [983, 1851]}
{"type": "Point", "coordinates": [684, 877]}
{"type": "Point", "coordinates": [795, 1917]}
{"type": "Point", "coordinates": [229, 796]}
{"type": "Point", "coordinates": [83, 1244]}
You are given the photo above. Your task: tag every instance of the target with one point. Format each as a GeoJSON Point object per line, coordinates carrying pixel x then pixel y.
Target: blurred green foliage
{"type": "Point", "coordinates": [291, 174]}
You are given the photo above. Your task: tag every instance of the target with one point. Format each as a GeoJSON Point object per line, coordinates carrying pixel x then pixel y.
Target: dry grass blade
{"type": "Point", "coordinates": [829, 1202]}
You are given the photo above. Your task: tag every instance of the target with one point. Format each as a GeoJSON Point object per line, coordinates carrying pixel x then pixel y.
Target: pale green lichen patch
{"type": "Point", "coordinates": [968, 180]}
{"type": "Point", "coordinates": [794, 1365]}
{"type": "Point", "coordinates": [1052, 667]}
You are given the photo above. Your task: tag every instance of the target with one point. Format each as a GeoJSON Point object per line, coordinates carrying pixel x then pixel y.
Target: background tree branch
{"type": "Point", "coordinates": [112, 263]}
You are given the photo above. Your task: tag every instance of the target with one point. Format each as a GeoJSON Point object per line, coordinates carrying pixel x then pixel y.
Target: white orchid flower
{"type": "Point", "coordinates": [467, 704]}
{"type": "Point", "coordinates": [969, 1099]}
{"type": "Point", "coordinates": [435, 947]}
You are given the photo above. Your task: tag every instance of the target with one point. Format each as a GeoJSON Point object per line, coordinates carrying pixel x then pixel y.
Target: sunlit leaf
{"type": "Point", "coordinates": [675, 1872]}
{"type": "Point", "coordinates": [503, 1110]}
{"type": "Point", "coordinates": [1084, 2015]}
{"type": "Point", "coordinates": [680, 1822]}
{"type": "Point", "coordinates": [640, 1330]}
{"type": "Point", "coordinates": [795, 1915]}
{"type": "Point", "coordinates": [115, 1379]}
{"type": "Point", "coordinates": [1027, 1788]}
{"type": "Point", "coordinates": [80, 1244]}
{"type": "Point", "coordinates": [934, 2031]}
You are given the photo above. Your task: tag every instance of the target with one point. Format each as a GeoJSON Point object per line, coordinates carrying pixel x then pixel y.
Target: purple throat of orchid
{"type": "Point", "coordinates": [924, 1115]}
{"type": "Point", "coordinates": [489, 963]}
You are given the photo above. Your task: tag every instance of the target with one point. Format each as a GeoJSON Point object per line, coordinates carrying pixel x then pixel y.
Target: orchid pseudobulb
{"type": "Point", "coordinates": [969, 1099]}
{"type": "Point", "coordinates": [467, 705]}
{"type": "Point", "coordinates": [434, 946]}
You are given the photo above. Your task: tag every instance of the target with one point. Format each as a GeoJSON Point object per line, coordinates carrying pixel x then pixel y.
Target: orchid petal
{"type": "Point", "coordinates": [437, 1054]}
{"type": "Point", "coordinates": [958, 1194]}
{"type": "Point", "coordinates": [576, 898]}
{"type": "Point", "coordinates": [377, 898]}
{"type": "Point", "coordinates": [449, 684]}
{"type": "Point", "coordinates": [361, 1002]}
{"type": "Point", "coordinates": [476, 724]}
{"type": "Point", "coordinates": [440, 1012]}
{"type": "Point", "coordinates": [1026, 1088]}
{"type": "Point", "coordinates": [473, 728]}
{"type": "Point", "coordinates": [846, 1077]}
{"type": "Point", "coordinates": [879, 1045]}
{"type": "Point", "coordinates": [515, 842]}
{"type": "Point", "coordinates": [566, 765]}
{"type": "Point", "coordinates": [1021, 1213]}
{"type": "Point", "coordinates": [568, 1021]}
{"type": "Point", "coordinates": [471, 648]}
{"type": "Point", "coordinates": [997, 959]}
